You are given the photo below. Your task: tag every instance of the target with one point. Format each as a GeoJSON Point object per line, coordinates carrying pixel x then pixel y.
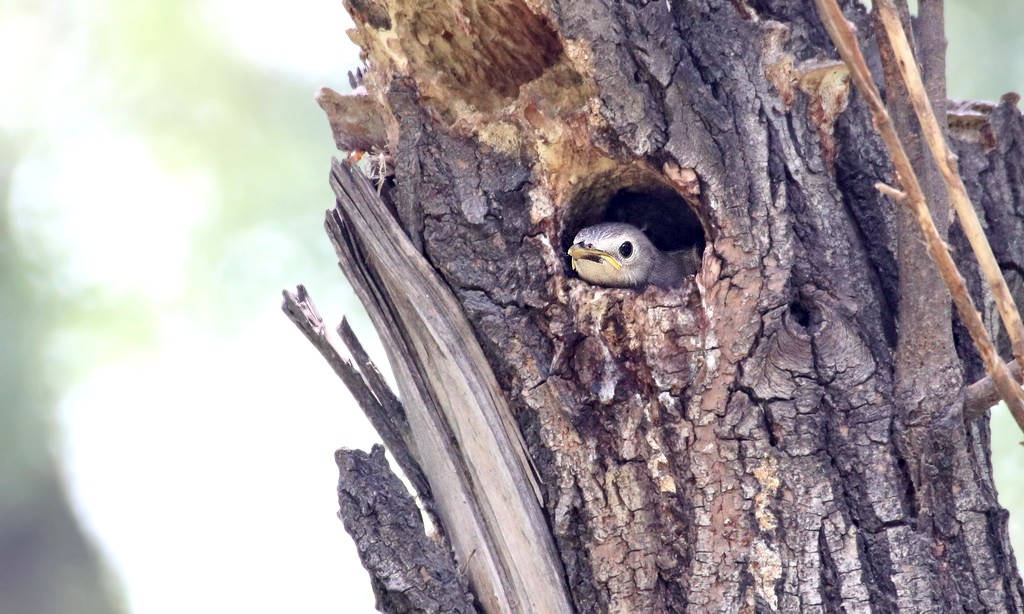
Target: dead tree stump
{"type": "Point", "coordinates": [736, 444]}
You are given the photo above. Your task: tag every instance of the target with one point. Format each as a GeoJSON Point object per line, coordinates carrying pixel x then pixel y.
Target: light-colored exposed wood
{"type": "Point", "coordinates": [486, 492]}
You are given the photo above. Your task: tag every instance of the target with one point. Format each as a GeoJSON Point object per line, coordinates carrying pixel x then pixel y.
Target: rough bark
{"type": "Point", "coordinates": [410, 572]}
{"type": "Point", "coordinates": [745, 442]}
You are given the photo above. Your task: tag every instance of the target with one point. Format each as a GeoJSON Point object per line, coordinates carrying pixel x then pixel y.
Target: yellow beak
{"type": "Point", "coordinates": [579, 252]}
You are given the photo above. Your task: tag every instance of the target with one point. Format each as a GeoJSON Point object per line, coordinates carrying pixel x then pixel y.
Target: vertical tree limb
{"type": "Point", "coordinates": [731, 445]}
{"type": "Point", "coordinates": [843, 35]}
{"type": "Point", "coordinates": [946, 160]}
{"type": "Point", "coordinates": [928, 371]}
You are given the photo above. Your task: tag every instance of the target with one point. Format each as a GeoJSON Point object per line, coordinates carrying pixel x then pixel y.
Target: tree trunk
{"type": "Point", "coordinates": [767, 437]}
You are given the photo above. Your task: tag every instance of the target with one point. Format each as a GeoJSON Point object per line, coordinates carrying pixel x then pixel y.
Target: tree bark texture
{"type": "Point", "coordinates": [742, 442]}
{"type": "Point", "coordinates": [410, 572]}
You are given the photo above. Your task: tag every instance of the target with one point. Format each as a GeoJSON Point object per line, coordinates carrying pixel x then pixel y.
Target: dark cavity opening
{"type": "Point", "coordinates": [800, 314]}
{"type": "Point", "coordinates": [641, 199]}
{"type": "Point", "coordinates": [666, 219]}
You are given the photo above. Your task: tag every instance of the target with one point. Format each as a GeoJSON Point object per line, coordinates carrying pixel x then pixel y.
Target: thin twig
{"type": "Point", "coordinates": [381, 406]}
{"type": "Point", "coordinates": [947, 162]}
{"type": "Point", "coordinates": [844, 36]}
{"type": "Point", "coordinates": [980, 396]}
{"type": "Point", "coordinates": [886, 189]}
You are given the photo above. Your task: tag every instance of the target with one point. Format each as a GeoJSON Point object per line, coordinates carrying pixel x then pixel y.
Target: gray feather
{"type": "Point", "coordinates": [645, 265]}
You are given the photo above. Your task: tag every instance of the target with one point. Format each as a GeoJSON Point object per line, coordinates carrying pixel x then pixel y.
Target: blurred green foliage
{"type": "Point", "coordinates": [46, 564]}
{"type": "Point", "coordinates": [163, 79]}
{"type": "Point", "coordinates": [985, 53]}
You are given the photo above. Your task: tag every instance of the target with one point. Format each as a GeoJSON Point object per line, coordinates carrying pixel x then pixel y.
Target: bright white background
{"type": "Point", "coordinates": [197, 426]}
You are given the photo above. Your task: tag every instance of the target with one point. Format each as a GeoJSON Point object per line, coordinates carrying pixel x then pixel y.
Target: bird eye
{"type": "Point", "coordinates": [626, 249]}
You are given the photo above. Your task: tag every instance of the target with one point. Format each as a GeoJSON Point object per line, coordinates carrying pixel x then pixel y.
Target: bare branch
{"type": "Point", "coordinates": [844, 37]}
{"type": "Point", "coordinates": [947, 163]}
{"type": "Point", "coordinates": [380, 405]}
{"type": "Point", "coordinates": [980, 396]}
{"type": "Point", "coordinates": [897, 195]}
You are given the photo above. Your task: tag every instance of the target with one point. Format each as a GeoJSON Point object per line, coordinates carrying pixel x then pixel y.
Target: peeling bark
{"type": "Point", "coordinates": [744, 442]}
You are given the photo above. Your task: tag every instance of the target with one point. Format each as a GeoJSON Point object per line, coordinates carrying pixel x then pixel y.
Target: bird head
{"type": "Point", "coordinates": [613, 254]}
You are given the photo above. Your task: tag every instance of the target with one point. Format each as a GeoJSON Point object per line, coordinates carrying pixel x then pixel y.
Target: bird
{"type": "Point", "coordinates": [620, 255]}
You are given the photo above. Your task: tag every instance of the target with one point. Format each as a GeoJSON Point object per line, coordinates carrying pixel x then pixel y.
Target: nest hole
{"type": "Point", "coordinates": [800, 314]}
{"type": "Point", "coordinates": [642, 199]}
{"type": "Point", "coordinates": [803, 315]}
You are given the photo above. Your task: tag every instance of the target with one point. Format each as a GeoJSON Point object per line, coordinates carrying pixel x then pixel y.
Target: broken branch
{"type": "Point", "coordinates": [381, 406]}
{"type": "Point", "coordinates": [980, 396]}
